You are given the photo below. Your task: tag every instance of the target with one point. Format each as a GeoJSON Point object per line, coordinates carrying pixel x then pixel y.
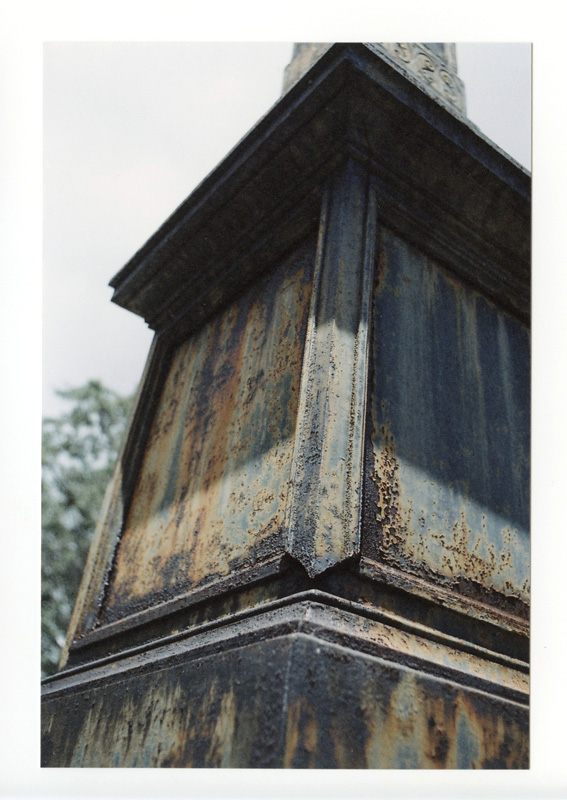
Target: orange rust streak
{"type": "Point", "coordinates": [213, 484]}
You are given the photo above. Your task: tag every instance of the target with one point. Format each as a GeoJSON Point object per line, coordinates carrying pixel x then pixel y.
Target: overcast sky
{"type": "Point", "coordinates": [131, 128]}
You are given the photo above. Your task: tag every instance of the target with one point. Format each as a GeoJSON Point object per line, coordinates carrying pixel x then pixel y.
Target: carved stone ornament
{"type": "Point", "coordinates": [432, 66]}
{"type": "Point", "coordinates": [431, 69]}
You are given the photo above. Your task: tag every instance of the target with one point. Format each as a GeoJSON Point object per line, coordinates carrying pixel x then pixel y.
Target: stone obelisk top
{"type": "Point", "coordinates": [433, 66]}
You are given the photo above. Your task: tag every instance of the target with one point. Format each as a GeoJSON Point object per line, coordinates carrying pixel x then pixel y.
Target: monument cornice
{"type": "Point", "coordinates": [451, 185]}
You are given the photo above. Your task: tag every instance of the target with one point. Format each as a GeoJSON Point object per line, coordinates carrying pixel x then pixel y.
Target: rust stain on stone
{"type": "Point", "coordinates": [213, 487]}
{"type": "Point", "coordinates": [301, 736]}
{"type": "Point", "coordinates": [417, 727]}
{"type": "Point", "coordinates": [385, 478]}
{"type": "Point", "coordinates": [445, 497]}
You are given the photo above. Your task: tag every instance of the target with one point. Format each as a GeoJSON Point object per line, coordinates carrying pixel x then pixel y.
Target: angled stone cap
{"type": "Point", "coordinates": [432, 66]}
{"type": "Point", "coordinates": [350, 98]}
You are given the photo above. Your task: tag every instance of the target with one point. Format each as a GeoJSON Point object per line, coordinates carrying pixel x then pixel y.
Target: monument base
{"type": "Point", "coordinates": [306, 682]}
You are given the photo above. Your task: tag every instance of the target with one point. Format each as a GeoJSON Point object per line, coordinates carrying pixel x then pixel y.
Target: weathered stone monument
{"type": "Point", "coordinates": [315, 550]}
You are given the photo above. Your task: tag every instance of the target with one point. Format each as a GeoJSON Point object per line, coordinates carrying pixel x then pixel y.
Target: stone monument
{"type": "Point", "coordinates": [315, 550]}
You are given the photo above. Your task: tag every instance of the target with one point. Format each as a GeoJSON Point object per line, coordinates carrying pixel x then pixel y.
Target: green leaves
{"type": "Point", "coordinates": [79, 452]}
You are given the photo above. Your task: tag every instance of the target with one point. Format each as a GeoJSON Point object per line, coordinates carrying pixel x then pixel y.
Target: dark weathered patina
{"type": "Point", "coordinates": [262, 692]}
{"type": "Point", "coordinates": [315, 549]}
{"type": "Point", "coordinates": [449, 432]}
{"type": "Point", "coordinates": [219, 450]}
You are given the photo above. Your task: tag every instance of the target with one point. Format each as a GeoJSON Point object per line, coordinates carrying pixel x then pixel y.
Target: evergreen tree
{"type": "Point", "coordinates": [79, 452]}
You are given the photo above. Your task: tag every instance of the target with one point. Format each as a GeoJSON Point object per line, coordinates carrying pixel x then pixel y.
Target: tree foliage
{"type": "Point", "coordinates": [79, 453]}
